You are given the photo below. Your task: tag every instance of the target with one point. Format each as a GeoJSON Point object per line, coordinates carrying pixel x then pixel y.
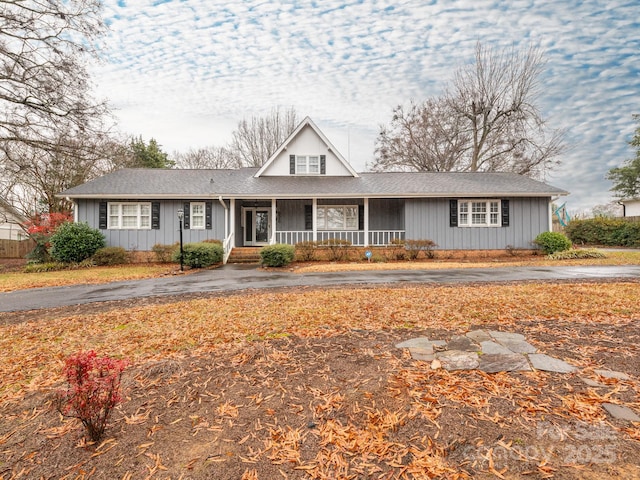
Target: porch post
{"type": "Point", "coordinates": [274, 219]}
{"type": "Point", "coordinates": [232, 221]}
{"type": "Point", "coordinates": [366, 222]}
{"type": "Point", "coordinates": [314, 218]}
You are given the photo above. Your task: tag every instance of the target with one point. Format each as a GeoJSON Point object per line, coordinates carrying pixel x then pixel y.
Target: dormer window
{"type": "Point", "coordinates": [307, 164]}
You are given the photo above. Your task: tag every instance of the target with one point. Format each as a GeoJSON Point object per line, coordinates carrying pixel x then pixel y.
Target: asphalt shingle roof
{"type": "Point", "coordinates": [159, 183]}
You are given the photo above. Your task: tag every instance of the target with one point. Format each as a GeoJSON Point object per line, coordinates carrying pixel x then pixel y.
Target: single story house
{"type": "Point", "coordinates": [307, 191]}
{"type": "Point", "coordinates": [11, 222]}
{"type": "Point", "coordinates": [631, 207]}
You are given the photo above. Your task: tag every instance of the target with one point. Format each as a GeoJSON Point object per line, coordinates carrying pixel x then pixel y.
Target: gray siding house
{"type": "Point", "coordinates": [307, 191]}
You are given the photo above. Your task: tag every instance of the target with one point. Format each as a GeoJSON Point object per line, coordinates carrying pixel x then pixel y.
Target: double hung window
{"type": "Point", "coordinates": [479, 213]}
{"type": "Point", "coordinates": [337, 217]}
{"type": "Point", "coordinates": [134, 216]}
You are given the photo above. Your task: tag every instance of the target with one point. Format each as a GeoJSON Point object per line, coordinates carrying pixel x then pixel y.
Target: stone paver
{"type": "Point", "coordinates": [479, 336]}
{"type": "Point", "coordinates": [540, 361]}
{"type": "Point", "coordinates": [621, 412]}
{"type": "Point", "coordinates": [519, 346]}
{"type": "Point", "coordinates": [510, 362]}
{"type": "Point", "coordinates": [463, 343]}
{"type": "Point", "coordinates": [493, 348]}
{"type": "Point", "coordinates": [592, 383]}
{"type": "Point", "coordinates": [506, 336]}
{"type": "Point", "coordinates": [612, 374]}
{"type": "Point", "coordinates": [458, 360]}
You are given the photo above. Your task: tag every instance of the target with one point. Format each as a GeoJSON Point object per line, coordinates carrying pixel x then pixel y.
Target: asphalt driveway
{"type": "Point", "coordinates": [232, 278]}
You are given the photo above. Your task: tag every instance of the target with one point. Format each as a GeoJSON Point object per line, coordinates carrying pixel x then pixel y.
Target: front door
{"type": "Point", "coordinates": [257, 226]}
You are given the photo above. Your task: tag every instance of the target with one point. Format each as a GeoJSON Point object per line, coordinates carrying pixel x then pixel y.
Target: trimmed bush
{"type": "Point", "coordinates": [577, 253]}
{"type": "Point", "coordinates": [396, 249]}
{"type": "Point", "coordinates": [165, 253]}
{"type": "Point", "coordinates": [110, 256]}
{"type": "Point", "coordinates": [306, 251]}
{"type": "Point", "coordinates": [414, 247]}
{"type": "Point", "coordinates": [200, 255]}
{"type": "Point", "coordinates": [614, 232]}
{"type": "Point", "coordinates": [338, 249]}
{"type": "Point", "coordinates": [277, 255]}
{"type": "Point", "coordinates": [75, 242]}
{"type": "Point", "coordinates": [552, 242]}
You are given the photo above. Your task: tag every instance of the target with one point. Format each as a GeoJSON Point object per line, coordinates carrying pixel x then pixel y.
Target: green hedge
{"type": "Point", "coordinates": [277, 255]}
{"type": "Point", "coordinates": [200, 255]}
{"type": "Point", "coordinates": [613, 232]}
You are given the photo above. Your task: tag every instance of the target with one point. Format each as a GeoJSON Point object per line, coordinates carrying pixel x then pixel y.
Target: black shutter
{"type": "Point", "coordinates": [187, 216]}
{"type": "Point", "coordinates": [208, 224]}
{"type": "Point", "coordinates": [292, 164]}
{"type": "Point", "coordinates": [360, 217]}
{"type": "Point", "coordinates": [323, 164]}
{"type": "Point", "coordinates": [453, 213]}
{"type": "Point", "coordinates": [102, 216]}
{"type": "Point", "coordinates": [504, 209]}
{"type": "Point", "coordinates": [155, 215]}
{"type": "Point", "coordinates": [308, 217]}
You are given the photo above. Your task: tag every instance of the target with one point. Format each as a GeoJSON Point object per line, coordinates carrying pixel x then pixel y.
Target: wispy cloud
{"type": "Point", "coordinates": [185, 71]}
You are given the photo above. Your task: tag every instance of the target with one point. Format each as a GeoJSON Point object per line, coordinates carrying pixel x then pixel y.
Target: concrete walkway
{"type": "Point", "coordinates": [241, 277]}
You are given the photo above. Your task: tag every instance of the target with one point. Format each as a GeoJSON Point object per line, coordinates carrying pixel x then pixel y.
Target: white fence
{"type": "Point", "coordinates": [356, 237]}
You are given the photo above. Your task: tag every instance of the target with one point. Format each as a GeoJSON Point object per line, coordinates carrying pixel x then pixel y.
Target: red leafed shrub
{"type": "Point", "coordinates": [93, 390]}
{"type": "Point", "coordinates": [46, 223]}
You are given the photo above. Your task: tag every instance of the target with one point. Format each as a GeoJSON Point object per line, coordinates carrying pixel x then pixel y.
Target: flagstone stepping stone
{"type": "Point", "coordinates": [621, 412]}
{"type": "Point", "coordinates": [510, 362]}
{"type": "Point", "coordinates": [612, 374]}
{"type": "Point", "coordinates": [540, 361]}
{"type": "Point", "coordinates": [519, 346]}
{"type": "Point", "coordinates": [423, 354]}
{"type": "Point", "coordinates": [421, 342]}
{"type": "Point", "coordinates": [462, 343]}
{"type": "Point", "coordinates": [592, 383]}
{"type": "Point", "coordinates": [491, 348]}
{"type": "Point", "coordinates": [506, 336]}
{"type": "Point", "coordinates": [458, 360]}
{"type": "Point", "coordinates": [479, 336]}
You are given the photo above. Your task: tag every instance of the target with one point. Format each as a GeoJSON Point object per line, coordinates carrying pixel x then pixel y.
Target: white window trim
{"type": "Point", "coordinates": [192, 215]}
{"type": "Point", "coordinates": [306, 159]}
{"type": "Point", "coordinates": [344, 218]}
{"type": "Point", "coordinates": [110, 226]}
{"type": "Point", "coordinates": [469, 212]}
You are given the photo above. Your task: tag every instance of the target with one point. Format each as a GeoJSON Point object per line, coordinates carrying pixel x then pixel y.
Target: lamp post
{"type": "Point", "coordinates": [180, 217]}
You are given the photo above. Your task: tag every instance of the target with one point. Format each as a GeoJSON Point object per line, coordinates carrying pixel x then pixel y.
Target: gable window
{"type": "Point", "coordinates": [337, 217]}
{"type": "Point", "coordinates": [479, 213]}
{"type": "Point", "coordinates": [307, 164]}
{"type": "Point", "coordinates": [134, 216]}
{"type": "Point", "coordinates": [197, 215]}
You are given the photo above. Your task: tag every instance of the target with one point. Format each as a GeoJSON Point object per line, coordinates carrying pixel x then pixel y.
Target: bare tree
{"type": "Point", "coordinates": [45, 102]}
{"type": "Point", "coordinates": [44, 85]}
{"type": "Point", "coordinates": [206, 157]}
{"type": "Point", "coordinates": [487, 120]}
{"type": "Point", "coordinates": [426, 137]}
{"type": "Point", "coordinates": [254, 140]}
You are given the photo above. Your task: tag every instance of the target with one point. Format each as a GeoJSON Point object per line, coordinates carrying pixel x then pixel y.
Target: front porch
{"type": "Point", "coordinates": [363, 222]}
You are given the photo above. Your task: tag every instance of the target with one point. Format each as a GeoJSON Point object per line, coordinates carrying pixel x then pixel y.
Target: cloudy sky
{"type": "Point", "coordinates": [186, 71]}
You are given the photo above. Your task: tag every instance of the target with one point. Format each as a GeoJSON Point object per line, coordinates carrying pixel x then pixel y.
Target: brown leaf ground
{"type": "Point", "coordinates": [307, 384]}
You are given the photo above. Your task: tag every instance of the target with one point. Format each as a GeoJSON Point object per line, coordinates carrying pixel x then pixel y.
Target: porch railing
{"type": "Point", "coordinates": [377, 238]}
{"type": "Point", "coordinates": [227, 246]}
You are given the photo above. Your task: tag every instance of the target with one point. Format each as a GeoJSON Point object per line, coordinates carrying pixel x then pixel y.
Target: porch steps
{"type": "Point", "coordinates": [245, 255]}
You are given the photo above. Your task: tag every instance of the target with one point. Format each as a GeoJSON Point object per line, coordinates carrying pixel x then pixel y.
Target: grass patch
{"type": "Point", "coordinates": [10, 281]}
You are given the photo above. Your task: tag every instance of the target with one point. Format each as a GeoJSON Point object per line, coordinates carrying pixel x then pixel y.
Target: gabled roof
{"type": "Point", "coordinates": [7, 207]}
{"type": "Point", "coordinates": [243, 183]}
{"type": "Point", "coordinates": [306, 122]}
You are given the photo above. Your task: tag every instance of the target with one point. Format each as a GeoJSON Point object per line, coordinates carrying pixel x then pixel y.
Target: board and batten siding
{"type": "Point", "coordinates": [429, 219]}
{"type": "Point", "coordinates": [144, 240]}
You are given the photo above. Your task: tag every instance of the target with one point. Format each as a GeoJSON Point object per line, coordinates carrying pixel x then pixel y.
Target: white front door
{"type": "Point", "coordinates": [257, 225]}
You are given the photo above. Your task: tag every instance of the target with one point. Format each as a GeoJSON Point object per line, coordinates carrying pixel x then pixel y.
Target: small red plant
{"type": "Point", "coordinates": [93, 390]}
